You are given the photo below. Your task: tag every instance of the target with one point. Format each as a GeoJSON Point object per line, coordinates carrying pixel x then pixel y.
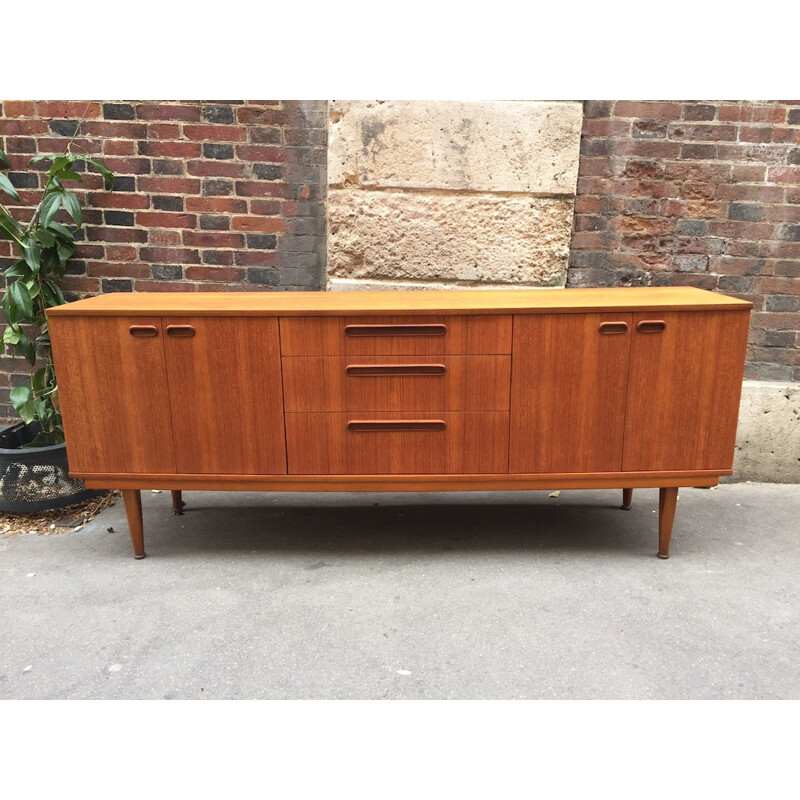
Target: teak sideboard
{"type": "Point", "coordinates": [401, 391]}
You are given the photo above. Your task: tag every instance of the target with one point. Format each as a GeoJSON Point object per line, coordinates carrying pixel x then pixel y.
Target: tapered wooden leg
{"type": "Point", "coordinates": [177, 502]}
{"type": "Point", "coordinates": [133, 510]}
{"type": "Point", "coordinates": [667, 498]}
{"type": "Point", "coordinates": [627, 499]}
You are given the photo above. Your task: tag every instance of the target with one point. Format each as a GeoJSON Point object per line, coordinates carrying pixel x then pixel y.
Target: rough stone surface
{"type": "Point", "coordinates": [768, 437]}
{"type": "Point", "coordinates": [492, 146]}
{"type": "Point", "coordinates": [417, 596]}
{"type": "Point", "coordinates": [448, 237]}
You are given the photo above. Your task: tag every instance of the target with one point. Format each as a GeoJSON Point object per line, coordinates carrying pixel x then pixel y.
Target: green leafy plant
{"type": "Point", "coordinates": [43, 246]}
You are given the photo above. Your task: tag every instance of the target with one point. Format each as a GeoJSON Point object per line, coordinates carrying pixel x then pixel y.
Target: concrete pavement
{"type": "Point", "coordinates": [482, 595]}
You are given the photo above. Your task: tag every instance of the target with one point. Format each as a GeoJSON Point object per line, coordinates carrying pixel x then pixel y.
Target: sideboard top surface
{"type": "Point", "coordinates": [464, 301]}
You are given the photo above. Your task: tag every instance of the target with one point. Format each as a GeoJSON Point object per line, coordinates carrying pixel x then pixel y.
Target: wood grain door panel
{"type": "Point", "coordinates": [225, 390]}
{"type": "Point", "coordinates": [396, 335]}
{"type": "Point", "coordinates": [432, 443]}
{"type": "Point", "coordinates": [684, 388]}
{"type": "Point", "coordinates": [114, 394]}
{"type": "Point", "coordinates": [568, 381]}
{"type": "Point", "coordinates": [396, 383]}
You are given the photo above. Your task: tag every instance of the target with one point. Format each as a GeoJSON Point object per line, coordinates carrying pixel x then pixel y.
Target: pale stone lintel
{"type": "Point", "coordinates": [491, 146]}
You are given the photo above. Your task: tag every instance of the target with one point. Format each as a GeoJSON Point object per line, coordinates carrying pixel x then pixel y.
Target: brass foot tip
{"type": "Point", "coordinates": [662, 555]}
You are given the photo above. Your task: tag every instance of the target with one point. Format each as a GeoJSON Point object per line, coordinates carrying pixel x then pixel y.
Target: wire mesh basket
{"type": "Point", "coordinates": [36, 479]}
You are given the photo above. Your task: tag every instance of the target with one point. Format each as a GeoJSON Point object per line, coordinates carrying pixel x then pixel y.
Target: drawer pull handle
{"type": "Point", "coordinates": [365, 425]}
{"type": "Point", "coordinates": [185, 331]}
{"type": "Point", "coordinates": [651, 326]}
{"type": "Point", "coordinates": [609, 328]}
{"type": "Point", "coordinates": [374, 370]}
{"type": "Point", "coordinates": [395, 330]}
{"type": "Point", "coordinates": [143, 331]}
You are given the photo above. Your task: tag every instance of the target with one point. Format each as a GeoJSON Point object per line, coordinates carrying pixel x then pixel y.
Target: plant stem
{"type": "Point", "coordinates": [37, 213]}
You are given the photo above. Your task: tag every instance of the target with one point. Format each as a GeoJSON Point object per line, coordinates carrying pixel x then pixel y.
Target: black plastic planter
{"type": "Point", "coordinates": [36, 479]}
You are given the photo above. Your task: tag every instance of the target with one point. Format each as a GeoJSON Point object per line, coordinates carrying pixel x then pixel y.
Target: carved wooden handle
{"type": "Point", "coordinates": [426, 329]}
{"type": "Point", "coordinates": [143, 331]}
{"type": "Point", "coordinates": [651, 326]}
{"type": "Point", "coordinates": [364, 425]}
{"type": "Point", "coordinates": [374, 370]}
{"type": "Point", "coordinates": [609, 328]}
{"type": "Point", "coordinates": [185, 331]}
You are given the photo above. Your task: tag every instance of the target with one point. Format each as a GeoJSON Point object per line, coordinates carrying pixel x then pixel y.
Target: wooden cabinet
{"type": "Point", "coordinates": [420, 391]}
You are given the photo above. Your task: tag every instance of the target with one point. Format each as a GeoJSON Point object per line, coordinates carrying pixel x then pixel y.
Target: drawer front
{"type": "Point", "coordinates": [397, 444]}
{"type": "Point", "coordinates": [396, 383]}
{"type": "Point", "coordinates": [396, 335]}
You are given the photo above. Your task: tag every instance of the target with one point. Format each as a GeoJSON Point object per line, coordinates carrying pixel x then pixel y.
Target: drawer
{"type": "Point", "coordinates": [396, 383]}
{"type": "Point", "coordinates": [396, 335]}
{"type": "Point", "coordinates": [397, 444]}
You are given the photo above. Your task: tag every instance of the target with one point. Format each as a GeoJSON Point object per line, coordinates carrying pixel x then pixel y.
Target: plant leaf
{"type": "Point", "coordinates": [108, 176]}
{"type": "Point", "coordinates": [8, 187]}
{"type": "Point", "coordinates": [9, 309]}
{"type": "Point", "coordinates": [32, 256]}
{"type": "Point", "coordinates": [50, 208]}
{"type": "Point", "coordinates": [18, 270]}
{"type": "Point", "coordinates": [21, 298]}
{"type": "Point", "coordinates": [57, 297]}
{"type": "Point", "coordinates": [59, 164]}
{"type": "Point", "coordinates": [22, 400]}
{"type": "Point", "coordinates": [70, 175]}
{"type": "Point", "coordinates": [4, 159]}
{"type": "Point", "coordinates": [45, 237]}
{"type": "Point", "coordinates": [25, 346]}
{"type": "Point", "coordinates": [11, 335]}
{"type": "Point", "coordinates": [73, 207]}
{"type": "Point", "coordinates": [37, 380]}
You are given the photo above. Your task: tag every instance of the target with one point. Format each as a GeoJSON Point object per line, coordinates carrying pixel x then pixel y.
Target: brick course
{"type": "Point", "coordinates": [200, 186]}
{"type": "Point", "coordinates": [699, 193]}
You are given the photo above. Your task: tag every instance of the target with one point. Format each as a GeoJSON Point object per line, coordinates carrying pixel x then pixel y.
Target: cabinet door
{"type": "Point", "coordinates": [684, 387]}
{"type": "Point", "coordinates": [225, 390]}
{"type": "Point", "coordinates": [113, 394]}
{"type": "Point", "coordinates": [568, 377]}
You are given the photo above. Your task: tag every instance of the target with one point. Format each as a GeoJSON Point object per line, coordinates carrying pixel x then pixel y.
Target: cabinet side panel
{"type": "Point", "coordinates": [684, 389]}
{"type": "Point", "coordinates": [568, 384]}
{"type": "Point", "coordinates": [225, 388]}
{"type": "Point", "coordinates": [113, 395]}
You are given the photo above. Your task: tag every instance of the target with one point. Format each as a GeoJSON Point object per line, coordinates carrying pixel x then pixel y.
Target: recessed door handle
{"type": "Point", "coordinates": [375, 370]}
{"type": "Point", "coordinates": [376, 425]}
{"type": "Point", "coordinates": [651, 326]}
{"type": "Point", "coordinates": [426, 329]}
{"type": "Point", "coordinates": [143, 331]}
{"type": "Point", "coordinates": [609, 328]}
{"type": "Point", "coordinates": [180, 331]}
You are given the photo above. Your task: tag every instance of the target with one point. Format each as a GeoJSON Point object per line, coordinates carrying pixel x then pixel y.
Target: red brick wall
{"type": "Point", "coordinates": [209, 196]}
{"type": "Point", "coordinates": [701, 193]}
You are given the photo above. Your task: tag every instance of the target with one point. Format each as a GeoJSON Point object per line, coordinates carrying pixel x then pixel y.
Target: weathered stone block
{"type": "Point", "coordinates": [491, 146]}
{"type": "Point", "coordinates": [768, 438]}
{"type": "Point", "coordinates": [448, 237]}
